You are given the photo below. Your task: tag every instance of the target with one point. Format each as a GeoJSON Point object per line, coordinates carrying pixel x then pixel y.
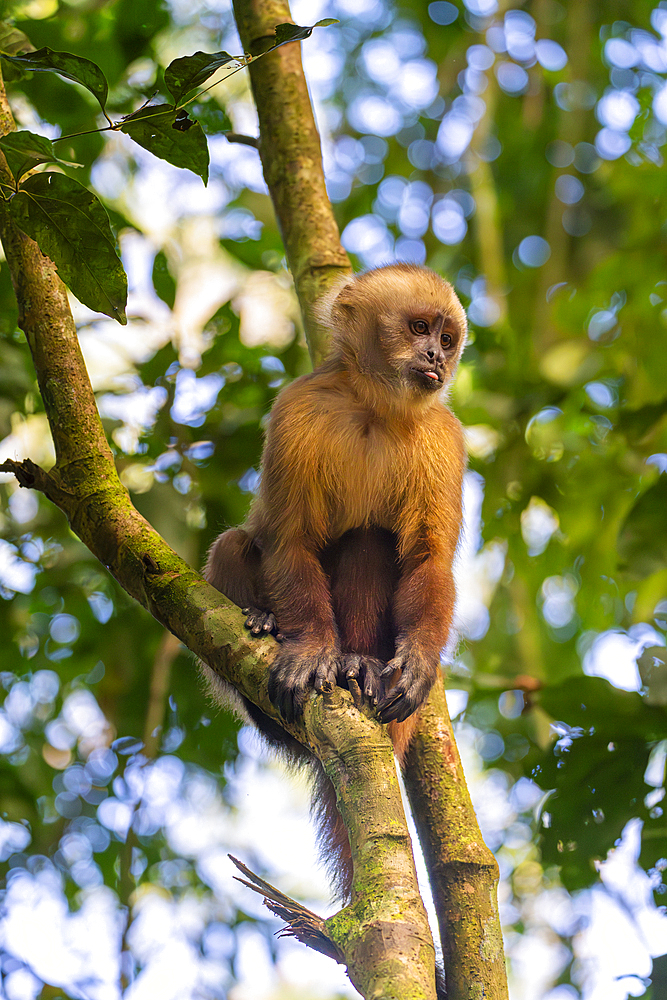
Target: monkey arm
{"type": "Point", "coordinates": [309, 655]}
{"type": "Point", "coordinates": [293, 526]}
{"type": "Point", "coordinates": [291, 517]}
{"type": "Point", "coordinates": [423, 611]}
{"type": "Point", "coordinates": [425, 596]}
{"type": "Point", "coordinates": [300, 594]}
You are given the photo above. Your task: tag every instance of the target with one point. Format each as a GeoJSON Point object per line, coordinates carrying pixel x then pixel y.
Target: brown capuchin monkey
{"type": "Point", "coordinates": [348, 547]}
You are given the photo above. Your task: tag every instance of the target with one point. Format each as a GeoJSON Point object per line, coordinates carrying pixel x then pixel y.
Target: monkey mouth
{"type": "Point", "coordinates": [427, 375]}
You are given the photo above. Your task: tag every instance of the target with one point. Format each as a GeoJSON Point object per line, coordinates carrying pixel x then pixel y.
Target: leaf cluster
{"type": "Point", "coordinates": [68, 221]}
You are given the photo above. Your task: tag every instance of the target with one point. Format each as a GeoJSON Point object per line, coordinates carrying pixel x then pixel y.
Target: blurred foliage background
{"type": "Point", "coordinates": [518, 150]}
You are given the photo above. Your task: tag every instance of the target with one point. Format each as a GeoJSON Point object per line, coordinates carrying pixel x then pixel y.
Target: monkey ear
{"type": "Point", "coordinates": [345, 299]}
{"type": "Point", "coordinates": [338, 297]}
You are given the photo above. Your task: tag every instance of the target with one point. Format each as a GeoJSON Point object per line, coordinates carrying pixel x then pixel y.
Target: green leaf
{"type": "Point", "coordinates": [12, 40]}
{"type": "Point", "coordinates": [642, 542]}
{"type": "Point", "coordinates": [24, 150]}
{"type": "Point", "coordinates": [163, 283]}
{"type": "Point", "coordinates": [71, 227]}
{"type": "Point", "coordinates": [291, 33]}
{"type": "Point", "coordinates": [171, 135]}
{"type": "Point", "coordinates": [211, 117]}
{"type": "Point", "coordinates": [72, 67]}
{"type": "Point", "coordinates": [184, 74]}
{"type": "Point", "coordinates": [288, 32]}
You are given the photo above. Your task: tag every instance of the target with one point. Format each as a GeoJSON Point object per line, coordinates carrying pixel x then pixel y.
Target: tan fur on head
{"type": "Point", "coordinates": [383, 300]}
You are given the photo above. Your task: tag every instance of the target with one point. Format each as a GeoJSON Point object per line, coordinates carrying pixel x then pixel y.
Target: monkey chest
{"type": "Point", "coordinates": [367, 485]}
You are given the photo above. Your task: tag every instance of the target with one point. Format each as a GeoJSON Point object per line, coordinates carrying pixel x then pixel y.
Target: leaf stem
{"type": "Point", "coordinates": [243, 62]}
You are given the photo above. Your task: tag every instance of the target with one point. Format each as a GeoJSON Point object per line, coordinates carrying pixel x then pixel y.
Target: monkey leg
{"type": "Point", "coordinates": [363, 572]}
{"type": "Point", "coordinates": [234, 568]}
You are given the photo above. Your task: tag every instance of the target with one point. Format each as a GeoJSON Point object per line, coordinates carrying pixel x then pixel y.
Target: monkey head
{"type": "Point", "coordinates": [401, 324]}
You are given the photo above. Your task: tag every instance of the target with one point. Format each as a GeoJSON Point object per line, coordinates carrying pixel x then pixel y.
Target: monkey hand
{"type": "Point", "coordinates": [294, 671]}
{"type": "Point", "coordinates": [362, 676]}
{"type": "Point", "coordinates": [418, 672]}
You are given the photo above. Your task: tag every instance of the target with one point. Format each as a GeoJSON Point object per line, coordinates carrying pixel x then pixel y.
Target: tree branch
{"type": "Point", "coordinates": [289, 147]}
{"type": "Point", "coordinates": [462, 870]}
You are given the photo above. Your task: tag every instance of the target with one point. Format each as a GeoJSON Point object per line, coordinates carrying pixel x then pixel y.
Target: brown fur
{"type": "Point", "coordinates": [351, 538]}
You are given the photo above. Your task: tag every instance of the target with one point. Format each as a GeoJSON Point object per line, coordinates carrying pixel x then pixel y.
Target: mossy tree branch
{"type": "Point", "coordinates": [289, 147]}
{"type": "Point", "coordinates": [462, 869]}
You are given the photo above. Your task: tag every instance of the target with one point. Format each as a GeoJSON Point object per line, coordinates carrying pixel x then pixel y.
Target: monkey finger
{"type": "Point", "coordinates": [325, 675]}
{"type": "Point", "coordinates": [371, 675]}
{"type": "Point", "coordinates": [392, 665]}
{"type": "Point", "coordinates": [351, 664]}
{"type": "Point", "coordinates": [289, 702]}
{"type": "Point", "coordinates": [287, 689]}
{"type": "Point", "coordinates": [390, 709]}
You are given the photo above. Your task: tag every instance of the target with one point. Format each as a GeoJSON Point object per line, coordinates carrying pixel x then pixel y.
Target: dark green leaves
{"type": "Point", "coordinates": [184, 74]}
{"type": "Point", "coordinates": [296, 33]}
{"type": "Point", "coordinates": [642, 541]}
{"type": "Point", "coordinates": [171, 135]}
{"type": "Point", "coordinates": [71, 227]}
{"type": "Point", "coordinates": [597, 769]}
{"type": "Point", "coordinates": [72, 67]}
{"type": "Point", "coordinates": [24, 150]}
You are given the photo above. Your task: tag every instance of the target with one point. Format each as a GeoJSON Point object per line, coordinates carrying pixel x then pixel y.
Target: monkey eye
{"type": "Point", "coordinates": [419, 326]}
{"type": "Point", "coordinates": [446, 340]}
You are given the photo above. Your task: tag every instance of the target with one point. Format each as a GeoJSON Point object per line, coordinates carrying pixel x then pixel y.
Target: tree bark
{"type": "Point", "coordinates": [289, 147]}
{"type": "Point", "coordinates": [462, 870]}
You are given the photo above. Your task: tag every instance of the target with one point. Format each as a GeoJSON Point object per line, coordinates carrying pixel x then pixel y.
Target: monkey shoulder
{"type": "Point", "coordinates": [301, 439]}
{"type": "Point", "coordinates": [307, 403]}
{"type": "Point", "coordinates": [448, 431]}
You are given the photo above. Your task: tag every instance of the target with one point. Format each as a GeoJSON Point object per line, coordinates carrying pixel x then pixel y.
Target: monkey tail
{"type": "Point", "coordinates": [332, 838]}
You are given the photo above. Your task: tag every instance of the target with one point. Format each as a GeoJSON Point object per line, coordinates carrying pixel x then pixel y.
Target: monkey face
{"type": "Point", "coordinates": [421, 327]}
{"type": "Point", "coordinates": [432, 347]}
{"type": "Point", "coordinates": [401, 324]}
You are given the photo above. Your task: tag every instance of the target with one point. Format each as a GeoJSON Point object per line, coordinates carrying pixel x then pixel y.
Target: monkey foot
{"type": "Point", "coordinates": [362, 676]}
{"type": "Point", "coordinates": [261, 622]}
{"type": "Point", "coordinates": [293, 672]}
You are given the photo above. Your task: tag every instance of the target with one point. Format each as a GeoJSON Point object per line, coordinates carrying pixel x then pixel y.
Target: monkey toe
{"type": "Point", "coordinates": [362, 674]}
{"type": "Point", "coordinates": [260, 621]}
{"type": "Point", "coordinates": [325, 674]}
